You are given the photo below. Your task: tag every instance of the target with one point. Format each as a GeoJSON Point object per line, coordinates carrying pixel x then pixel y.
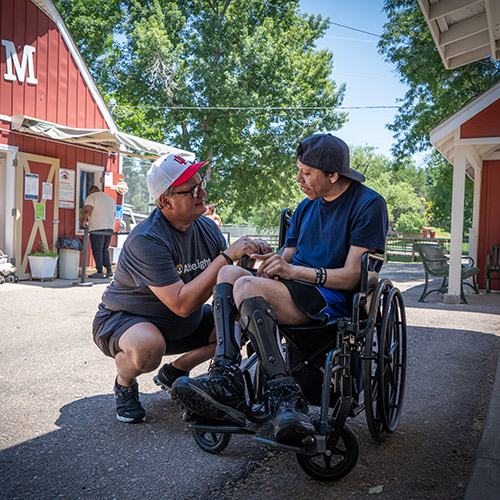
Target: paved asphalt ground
{"type": "Point", "coordinates": [59, 437]}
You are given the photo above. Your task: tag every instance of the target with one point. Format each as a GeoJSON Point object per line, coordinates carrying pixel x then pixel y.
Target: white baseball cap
{"type": "Point", "coordinates": [170, 170]}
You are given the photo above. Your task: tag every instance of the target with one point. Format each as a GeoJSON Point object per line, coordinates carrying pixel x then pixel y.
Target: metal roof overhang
{"type": "Point", "coordinates": [101, 139]}
{"type": "Point", "coordinates": [464, 31]}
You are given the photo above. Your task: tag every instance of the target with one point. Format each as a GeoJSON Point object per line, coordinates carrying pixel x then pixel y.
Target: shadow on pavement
{"type": "Point", "coordinates": [92, 455]}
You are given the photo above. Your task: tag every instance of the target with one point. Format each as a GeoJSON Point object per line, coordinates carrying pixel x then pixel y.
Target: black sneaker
{"type": "Point", "coordinates": [109, 274]}
{"type": "Point", "coordinates": [214, 397]}
{"type": "Point", "coordinates": [167, 375]}
{"type": "Point", "coordinates": [96, 276]}
{"type": "Point", "coordinates": [290, 408]}
{"type": "Point", "coordinates": [128, 406]}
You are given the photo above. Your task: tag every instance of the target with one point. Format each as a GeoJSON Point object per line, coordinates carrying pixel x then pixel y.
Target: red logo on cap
{"type": "Point", "coordinates": [180, 159]}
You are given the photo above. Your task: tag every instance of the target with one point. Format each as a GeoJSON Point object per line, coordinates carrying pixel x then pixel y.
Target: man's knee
{"type": "Point", "coordinates": [229, 274]}
{"type": "Point", "coordinates": [144, 346]}
{"type": "Point", "coordinates": [246, 287]}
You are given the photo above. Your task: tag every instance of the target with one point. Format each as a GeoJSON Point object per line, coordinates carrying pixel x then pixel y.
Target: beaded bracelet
{"type": "Point", "coordinates": [323, 276]}
{"type": "Point", "coordinates": [320, 276]}
{"type": "Point", "coordinates": [226, 256]}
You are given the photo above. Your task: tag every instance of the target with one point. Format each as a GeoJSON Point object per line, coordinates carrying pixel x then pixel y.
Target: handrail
{"type": "Point", "coordinates": [83, 278]}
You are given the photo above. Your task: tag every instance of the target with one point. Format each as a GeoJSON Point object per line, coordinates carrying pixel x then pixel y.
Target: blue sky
{"type": "Point", "coordinates": [370, 81]}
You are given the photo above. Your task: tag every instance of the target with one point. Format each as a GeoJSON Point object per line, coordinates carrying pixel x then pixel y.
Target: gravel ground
{"type": "Point", "coordinates": [60, 439]}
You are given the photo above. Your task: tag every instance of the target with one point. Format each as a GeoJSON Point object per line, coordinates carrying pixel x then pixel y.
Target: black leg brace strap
{"type": "Point", "coordinates": [258, 319]}
{"type": "Point", "coordinates": [224, 315]}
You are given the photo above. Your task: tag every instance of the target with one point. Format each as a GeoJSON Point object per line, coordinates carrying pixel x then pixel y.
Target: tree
{"type": "Point", "coordinates": [440, 192]}
{"type": "Point", "coordinates": [400, 183]}
{"type": "Point", "coordinates": [220, 78]}
{"type": "Point", "coordinates": [434, 92]}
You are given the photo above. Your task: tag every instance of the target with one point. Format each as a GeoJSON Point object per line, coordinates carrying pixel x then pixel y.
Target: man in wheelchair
{"type": "Point", "coordinates": [313, 280]}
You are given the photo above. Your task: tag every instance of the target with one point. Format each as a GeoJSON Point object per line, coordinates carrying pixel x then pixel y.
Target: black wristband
{"type": "Point", "coordinates": [322, 280]}
{"type": "Point", "coordinates": [226, 256]}
{"type": "Point", "coordinates": [318, 276]}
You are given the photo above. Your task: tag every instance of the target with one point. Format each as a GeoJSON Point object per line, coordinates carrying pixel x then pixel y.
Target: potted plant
{"type": "Point", "coordinates": [43, 262]}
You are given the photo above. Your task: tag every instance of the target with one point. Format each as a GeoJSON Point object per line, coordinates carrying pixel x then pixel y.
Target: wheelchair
{"type": "Point", "coordinates": [344, 366]}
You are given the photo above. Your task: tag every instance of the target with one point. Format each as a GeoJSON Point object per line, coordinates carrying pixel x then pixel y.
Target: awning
{"type": "Point", "coordinates": [98, 138]}
{"type": "Point", "coordinates": [464, 31]}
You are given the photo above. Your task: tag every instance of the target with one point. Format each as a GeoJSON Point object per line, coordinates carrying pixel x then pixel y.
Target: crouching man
{"type": "Point", "coordinates": [165, 273]}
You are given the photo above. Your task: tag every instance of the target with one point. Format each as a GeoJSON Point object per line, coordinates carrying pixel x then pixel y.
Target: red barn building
{"type": "Point", "coordinates": [57, 136]}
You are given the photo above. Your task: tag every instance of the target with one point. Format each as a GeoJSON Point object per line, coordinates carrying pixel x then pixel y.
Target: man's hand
{"type": "Point", "coordinates": [247, 246]}
{"type": "Point", "coordinates": [273, 266]}
{"type": "Point", "coordinates": [242, 246]}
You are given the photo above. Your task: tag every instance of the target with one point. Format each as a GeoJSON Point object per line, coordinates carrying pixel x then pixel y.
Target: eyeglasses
{"type": "Point", "coordinates": [196, 190]}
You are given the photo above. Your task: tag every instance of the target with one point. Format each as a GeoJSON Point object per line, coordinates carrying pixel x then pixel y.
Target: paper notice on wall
{"type": "Point", "coordinates": [108, 179]}
{"type": "Point", "coordinates": [66, 188]}
{"type": "Point", "coordinates": [46, 190]}
{"type": "Point", "coordinates": [39, 211]}
{"type": "Point", "coordinates": [31, 187]}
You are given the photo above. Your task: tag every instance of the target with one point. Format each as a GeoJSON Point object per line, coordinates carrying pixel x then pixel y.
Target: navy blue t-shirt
{"type": "Point", "coordinates": [323, 231]}
{"type": "Point", "coordinates": [157, 254]}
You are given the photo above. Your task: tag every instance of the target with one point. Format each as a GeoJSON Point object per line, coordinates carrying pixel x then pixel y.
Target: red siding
{"type": "Point", "coordinates": [489, 228]}
{"type": "Point", "coordinates": [484, 124]}
{"type": "Point", "coordinates": [61, 95]}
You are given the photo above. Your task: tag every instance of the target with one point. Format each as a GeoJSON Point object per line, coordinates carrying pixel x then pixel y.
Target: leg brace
{"type": "Point", "coordinates": [258, 319]}
{"type": "Point", "coordinates": [224, 315]}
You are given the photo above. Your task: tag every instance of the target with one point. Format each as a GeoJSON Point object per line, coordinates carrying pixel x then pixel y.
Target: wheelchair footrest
{"type": "Point", "coordinates": [220, 429]}
{"type": "Point", "coordinates": [311, 445]}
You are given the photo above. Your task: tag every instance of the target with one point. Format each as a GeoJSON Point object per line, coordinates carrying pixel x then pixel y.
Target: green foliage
{"type": "Point", "coordinates": [134, 173]}
{"type": "Point", "coordinates": [434, 92]}
{"type": "Point", "coordinates": [43, 251]}
{"type": "Point", "coordinates": [232, 54]}
{"type": "Point", "coordinates": [440, 192]}
{"type": "Point", "coordinates": [400, 183]}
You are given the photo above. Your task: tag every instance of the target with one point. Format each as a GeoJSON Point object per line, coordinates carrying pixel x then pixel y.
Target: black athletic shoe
{"type": "Point", "coordinates": [109, 274]}
{"type": "Point", "coordinates": [96, 276]}
{"type": "Point", "coordinates": [291, 422]}
{"type": "Point", "coordinates": [214, 397]}
{"type": "Point", "coordinates": [167, 375]}
{"type": "Point", "coordinates": [128, 406]}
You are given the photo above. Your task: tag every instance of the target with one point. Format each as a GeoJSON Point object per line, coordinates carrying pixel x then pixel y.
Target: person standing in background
{"type": "Point", "coordinates": [210, 213]}
{"type": "Point", "coordinates": [101, 209]}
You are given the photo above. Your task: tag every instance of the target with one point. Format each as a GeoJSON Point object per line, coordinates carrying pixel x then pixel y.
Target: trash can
{"type": "Point", "coordinates": [69, 257]}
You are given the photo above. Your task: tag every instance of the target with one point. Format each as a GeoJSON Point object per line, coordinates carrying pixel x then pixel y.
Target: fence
{"type": "Point", "coordinates": [397, 249]}
{"type": "Point", "coordinates": [401, 249]}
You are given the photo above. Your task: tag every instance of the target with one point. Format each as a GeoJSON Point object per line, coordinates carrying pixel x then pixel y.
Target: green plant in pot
{"type": "Point", "coordinates": [43, 262]}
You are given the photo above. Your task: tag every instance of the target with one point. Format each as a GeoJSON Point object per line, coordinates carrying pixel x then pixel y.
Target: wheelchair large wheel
{"type": "Point", "coordinates": [336, 462]}
{"type": "Point", "coordinates": [211, 442]}
{"type": "Point", "coordinates": [392, 360]}
{"type": "Point", "coordinates": [371, 373]}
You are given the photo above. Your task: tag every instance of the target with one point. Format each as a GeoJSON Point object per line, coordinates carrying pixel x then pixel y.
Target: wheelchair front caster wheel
{"type": "Point", "coordinates": [336, 462]}
{"type": "Point", "coordinates": [211, 442]}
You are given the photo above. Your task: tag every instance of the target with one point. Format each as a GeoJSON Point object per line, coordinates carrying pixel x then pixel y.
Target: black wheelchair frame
{"type": "Point", "coordinates": [361, 363]}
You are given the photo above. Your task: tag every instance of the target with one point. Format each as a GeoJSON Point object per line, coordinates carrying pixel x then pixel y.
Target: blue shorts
{"type": "Point", "coordinates": [319, 303]}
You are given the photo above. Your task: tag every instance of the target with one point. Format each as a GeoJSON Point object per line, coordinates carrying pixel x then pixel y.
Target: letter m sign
{"type": "Point", "coordinates": [13, 63]}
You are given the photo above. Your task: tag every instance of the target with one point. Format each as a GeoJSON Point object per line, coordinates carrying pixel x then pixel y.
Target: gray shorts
{"type": "Point", "coordinates": [109, 326]}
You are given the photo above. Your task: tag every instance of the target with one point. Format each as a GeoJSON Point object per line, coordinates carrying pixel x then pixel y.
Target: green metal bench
{"type": "Point", "coordinates": [436, 266]}
{"type": "Point", "coordinates": [492, 266]}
